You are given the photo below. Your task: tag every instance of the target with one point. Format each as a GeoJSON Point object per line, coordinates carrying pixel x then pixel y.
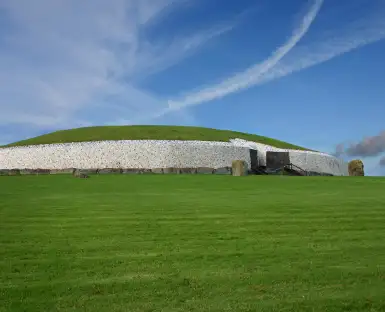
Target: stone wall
{"type": "Point", "coordinates": [124, 154]}
{"type": "Point", "coordinates": [156, 155]}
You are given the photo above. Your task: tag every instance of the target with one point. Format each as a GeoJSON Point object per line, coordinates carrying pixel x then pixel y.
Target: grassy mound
{"type": "Point", "coordinates": [192, 243]}
{"type": "Point", "coordinates": [106, 133]}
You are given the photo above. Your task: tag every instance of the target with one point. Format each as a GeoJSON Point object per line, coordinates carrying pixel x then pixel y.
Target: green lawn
{"type": "Point", "coordinates": [105, 133]}
{"type": "Point", "coordinates": [192, 243]}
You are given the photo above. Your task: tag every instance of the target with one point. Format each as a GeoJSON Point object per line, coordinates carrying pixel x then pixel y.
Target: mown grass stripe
{"type": "Point", "coordinates": [204, 243]}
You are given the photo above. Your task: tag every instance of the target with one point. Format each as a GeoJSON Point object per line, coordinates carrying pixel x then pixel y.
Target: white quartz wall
{"type": "Point", "coordinates": [156, 154]}
{"type": "Point", "coordinates": [124, 154]}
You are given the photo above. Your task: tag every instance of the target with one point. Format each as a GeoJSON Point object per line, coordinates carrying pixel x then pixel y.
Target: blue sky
{"type": "Point", "coordinates": [307, 72]}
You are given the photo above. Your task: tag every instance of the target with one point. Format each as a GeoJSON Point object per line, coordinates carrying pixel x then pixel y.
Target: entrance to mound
{"type": "Point", "coordinates": [254, 160]}
{"type": "Point", "coordinates": [276, 160]}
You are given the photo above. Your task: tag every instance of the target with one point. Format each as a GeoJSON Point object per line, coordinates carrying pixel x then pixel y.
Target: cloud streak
{"type": "Point", "coordinates": [252, 75]}
{"type": "Point", "coordinates": [287, 61]}
{"type": "Point", "coordinates": [314, 54]}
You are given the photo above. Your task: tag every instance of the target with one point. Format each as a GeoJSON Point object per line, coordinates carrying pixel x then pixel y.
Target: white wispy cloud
{"type": "Point", "coordinates": [291, 57]}
{"type": "Point", "coordinates": [252, 75]}
{"type": "Point", "coordinates": [164, 55]}
{"type": "Point", "coordinates": [61, 58]}
{"type": "Point", "coordinates": [303, 57]}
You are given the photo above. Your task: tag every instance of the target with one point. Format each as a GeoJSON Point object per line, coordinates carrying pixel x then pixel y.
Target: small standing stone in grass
{"type": "Point", "coordinates": [78, 174]}
{"type": "Point", "coordinates": [356, 168]}
{"type": "Point", "coordinates": [239, 168]}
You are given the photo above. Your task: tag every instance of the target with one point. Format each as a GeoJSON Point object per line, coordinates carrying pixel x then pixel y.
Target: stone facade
{"type": "Point", "coordinates": [164, 156]}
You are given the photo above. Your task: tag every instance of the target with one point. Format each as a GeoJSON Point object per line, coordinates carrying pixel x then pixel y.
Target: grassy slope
{"type": "Point", "coordinates": [149, 133]}
{"type": "Point", "coordinates": [192, 243]}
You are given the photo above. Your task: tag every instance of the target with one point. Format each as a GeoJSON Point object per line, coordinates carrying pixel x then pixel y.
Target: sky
{"type": "Point", "coordinates": [309, 72]}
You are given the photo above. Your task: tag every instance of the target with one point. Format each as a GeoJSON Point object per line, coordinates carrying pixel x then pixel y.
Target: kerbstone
{"type": "Point", "coordinates": [131, 171]}
{"type": "Point", "coordinates": [170, 170]}
{"type": "Point", "coordinates": [187, 170]}
{"type": "Point", "coordinates": [110, 171]}
{"type": "Point", "coordinates": [62, 171]}
{"type": "Point", "coordinates": [223, 170]}
{"type": "Point", "coordinates": [205, 170]}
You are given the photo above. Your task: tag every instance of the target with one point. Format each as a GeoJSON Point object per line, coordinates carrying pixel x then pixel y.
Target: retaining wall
{"type": "Point", "coordinates": [124, 154]}
{"type": "Point", "coordinates": [156, 154]}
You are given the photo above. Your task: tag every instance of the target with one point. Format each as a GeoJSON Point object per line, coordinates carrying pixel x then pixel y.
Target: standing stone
{"type": "Point", "coordinates": [78, 173]}
{"type": "Point", "coordinates": [356, 168]}
{"type": "Point", "coordinates": [239, 168]}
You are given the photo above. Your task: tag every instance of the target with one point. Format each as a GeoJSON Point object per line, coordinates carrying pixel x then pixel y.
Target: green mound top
{"type": "Point", "coordinates": [113, 133]}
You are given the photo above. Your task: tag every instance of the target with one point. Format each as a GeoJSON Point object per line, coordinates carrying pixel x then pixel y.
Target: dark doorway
{"type": "Point", "coordinates": [276, 160]}
{"type": "Point", "coordinates": [253, 160]}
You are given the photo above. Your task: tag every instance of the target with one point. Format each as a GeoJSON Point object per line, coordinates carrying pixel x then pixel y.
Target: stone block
{"type": "Point", "coordinates": [40, 171]}
{"type": "Point", "coordinates": [205, 170]}
{"type": "Point", "coordinates": [14, 172]}
{"type": "Point", "coordinates": [27, 171]}
{"type": "Point", "coordinates": [80, 174]}
{"type": "Point", "coordinates": [4, 172]}
{"type": "Point", "coordinates": [62, 171]}
{"type": "Point", "coordinates": [170, 170]}
{"type": "Point", "coordinates": [223, 170]}
{"type": "Point", "coordinates": [356, 168]}
{"type": "Point", "coordinates": [110, 171]}
{"type": "Point", "coordinates": [131, 171]}
{"type": "Point", "coordinates": [187, 170]}
{"type": "Point", "coordinates": [239, 168]}
{"type": "Point", "coordinates": [89, 171]}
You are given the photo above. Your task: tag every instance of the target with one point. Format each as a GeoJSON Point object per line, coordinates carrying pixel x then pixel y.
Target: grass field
{"type": "Point", "coordinates": [192, 243]}
{"type": "Point", "coordinates": [106, 133]}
